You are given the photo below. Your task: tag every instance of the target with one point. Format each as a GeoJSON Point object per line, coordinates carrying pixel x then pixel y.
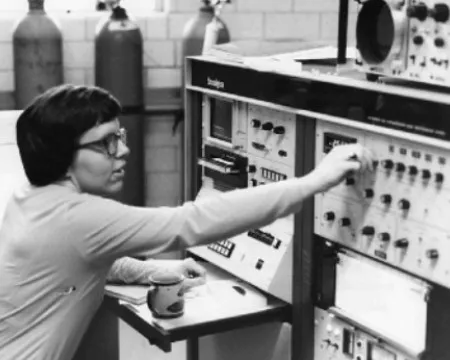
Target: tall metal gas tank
{"type": "Point", "coordinates": [119, 69]}
{"type": "Point", "coordinates": [194, 32]}
{"type": "Point", "coordinates": [37, 53]}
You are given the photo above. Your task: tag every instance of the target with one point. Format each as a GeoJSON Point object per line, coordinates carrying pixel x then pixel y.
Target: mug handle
{"type": "Point", "coordinates": [151, 291]}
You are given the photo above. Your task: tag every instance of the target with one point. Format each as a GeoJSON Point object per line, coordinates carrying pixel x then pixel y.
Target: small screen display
{"type": "Point", "coordinates": [331, 140]}
{"type": "Point", "coordinates": [221, 119]}
{"type": "Point", "coordinates": [377, 353]}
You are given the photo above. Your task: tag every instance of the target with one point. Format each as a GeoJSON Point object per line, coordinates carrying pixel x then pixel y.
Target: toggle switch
{"type": "Point", "coordinates": [251, 169]}
{"type": "Point", "coordinates": [432, 254]}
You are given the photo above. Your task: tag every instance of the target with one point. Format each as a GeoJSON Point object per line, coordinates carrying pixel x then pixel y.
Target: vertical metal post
{"type": "Point", "coordinates": [342, 32]}
{"type": "Point", "coordinates": [192, 351]}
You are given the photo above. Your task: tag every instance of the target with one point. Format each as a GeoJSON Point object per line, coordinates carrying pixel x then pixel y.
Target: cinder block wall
{"type": "Point", "coordinates": [250, 20]}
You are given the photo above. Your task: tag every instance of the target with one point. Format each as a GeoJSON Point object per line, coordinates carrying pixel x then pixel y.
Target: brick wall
{"type": "Point", "coordinates": [250, 20]}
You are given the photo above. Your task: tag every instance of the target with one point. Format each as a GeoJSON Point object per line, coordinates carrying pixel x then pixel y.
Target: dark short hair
{"type": "Point", "coordinates": [49, 129]}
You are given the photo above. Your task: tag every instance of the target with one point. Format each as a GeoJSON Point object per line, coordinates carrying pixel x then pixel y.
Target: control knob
{"type": "Point", "coordinates": [279, 130]}
{"type": "Point", "coordinates": [439, 42]}
{"type": "Point", "coordinates": [426, 174]}
{"type": "Point", "coordinates": [387, 164]}
{"type": "Point", "coordinates": [439, 177]}
{"type": "Point", "coordinates": [400, 167]}
{"type": "Point", "coordinates": [349, 181]}
{"type": "Point", "coordinates": [440, 12]}
{"type": "Point", "coordinates": [386, 199]}
{"type": "Point", "coordinates": [418, 40]}
{"type": "Point", "coordinates": [404, 204]}
{"type": "Point", "coordinates": [368, 231]}
{"type": "Point", "coordinates": [419, 11]}
{"type": "Point", "coordinates": [401, 243]}
{"type": "Point", "coordinates": [256, 123]}
{"type": "Point", "coordinates": [268, 126]}
{"type": "Point", "coordinates": [329, 216]}
{"type": "Point", "coordinates": [432, 254]}
{"type": "Point", "coordinates": [413, 170]}
{"type": "Point", "coordinates": [369, 193]}
{"type": "Point", "coordinates": [384, 236]}
{"type": "Point", "coordinates": [345, 221]}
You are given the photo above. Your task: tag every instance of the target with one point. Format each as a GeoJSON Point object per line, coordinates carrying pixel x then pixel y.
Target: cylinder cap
{"type": "Point", "coordinates": [119, 13]}
{"type": "Point", "coordinates": [36, 4]}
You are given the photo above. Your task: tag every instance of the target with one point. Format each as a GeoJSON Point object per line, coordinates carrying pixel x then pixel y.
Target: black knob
{"type": "Point", "coordinates": [375, 164]}
{"type": "Point", "coordinates": [400, 167]}
{"type": "Point", "coordinates": [251, 168]}
{"type": "Point", "coordinates": [401, 243]}
{"type": "Point", "coordinates": [282, 153]}
{"type": "Point", "coordinates": [329, 216]}
{"type": "Point", "coordinates": [386, 199]}
{"type": "Point", "coordinates": [439, 177]}
{"type": "Point", "coordinates": [387, 164]}
{"type": "Point", "coordinates": [404, 204]}
{"type": "Point", "coordinates": [349, 181]}
{"type": "Point", "coordinates": [418, 40]}
{"type": "Point", "coordinates": [413, 170]}
{"type": "Point", "coordinates": [267, 126]}
{"type": "Point", "coordinates": [439, 42]}
{"type": "Point", "coordinates": [279, 130]}
{"type": "Point", "coordinates": [368, 193]}
{"type": "Point", "coordinates": [384, 236]}
{"type": "Point", "coordinates": [440, 12]}
{"type": "Point", "coordinates": [419, 11]}
{"type": "Point", "coordinates": [426, 174]}
{"type": "Point", "coordinates": [256, 123]}
{"type": "Point", "coordinates": [345, 222]}
{"type": "Point", "coordinates": [432, 254]}
{"type": "Point", "coordinates": [368, 231]}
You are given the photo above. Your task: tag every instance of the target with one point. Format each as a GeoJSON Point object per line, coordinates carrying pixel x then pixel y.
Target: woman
{"type": "Point", "coordinates": [61, 234]}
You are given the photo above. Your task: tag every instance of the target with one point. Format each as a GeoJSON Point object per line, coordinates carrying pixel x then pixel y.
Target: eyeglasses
{"type": "Point", "coordinates": [109, 144]}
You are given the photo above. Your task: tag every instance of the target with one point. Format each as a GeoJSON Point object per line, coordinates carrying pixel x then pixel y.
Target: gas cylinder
{"type": "Point", "coordinates": [119, 69]}
{"type": "Point", "coordinates": [37, 54]}
{"type": "Point", "coordinates": [195, 29]}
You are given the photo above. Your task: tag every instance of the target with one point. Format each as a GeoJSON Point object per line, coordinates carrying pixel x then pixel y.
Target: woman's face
{"type": "Point", "coordinates": [93, 170]}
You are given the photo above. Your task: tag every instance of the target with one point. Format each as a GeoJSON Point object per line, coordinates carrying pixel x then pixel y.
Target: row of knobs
{"type": "Point", "coordinates": [385, 199]}
{"type": "Point", "coordinates": [412, 170]}
{"type": "Point", "coordinates": [419, 40]}
{"type": "Point", "coordinates": [268, 126]}
{"type": "Point", "coordinates": [383, 236]}
{"type": "Point", "coordinates": [440, 12]}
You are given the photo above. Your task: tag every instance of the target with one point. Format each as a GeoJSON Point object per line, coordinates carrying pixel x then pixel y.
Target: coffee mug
{"type": "Point", "coordinates": [165, 297]}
